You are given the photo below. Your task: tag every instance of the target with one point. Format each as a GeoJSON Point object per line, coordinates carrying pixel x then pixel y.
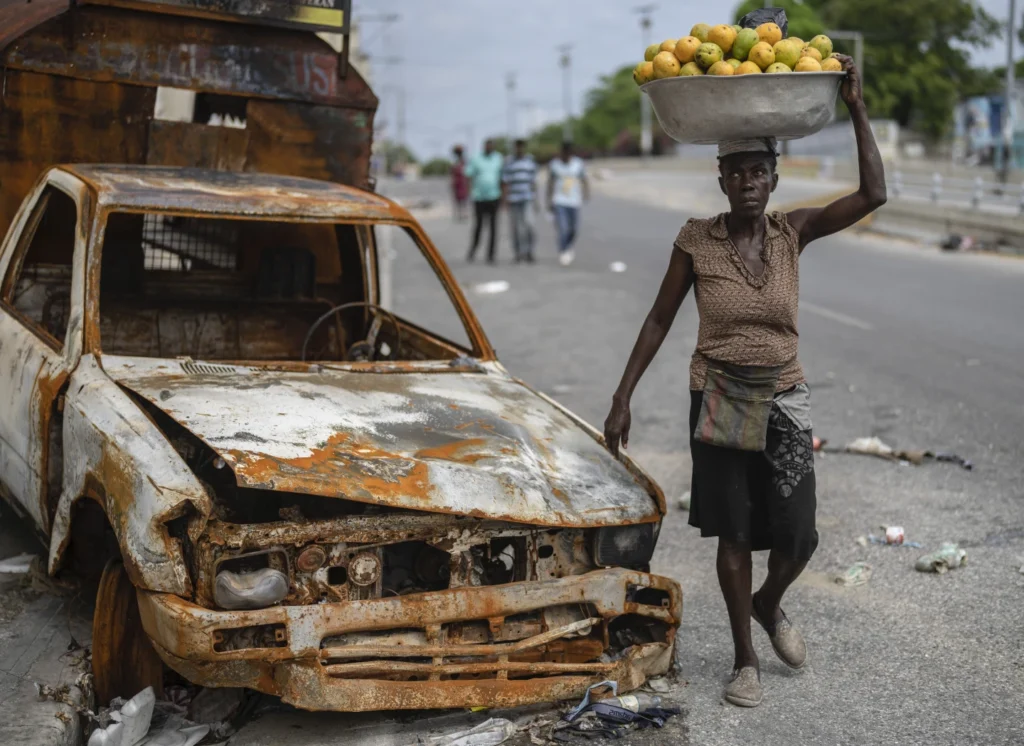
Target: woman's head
{"type": "Point", "coordinates": [747, 174]}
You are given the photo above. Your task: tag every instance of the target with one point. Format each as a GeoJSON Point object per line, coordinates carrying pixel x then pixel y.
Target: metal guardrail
{"type": "Point", "coordinates": [976, 191]}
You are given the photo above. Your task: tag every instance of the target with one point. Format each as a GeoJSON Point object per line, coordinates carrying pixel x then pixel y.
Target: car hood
{"type": "Point", "coordinates": [468, 443]}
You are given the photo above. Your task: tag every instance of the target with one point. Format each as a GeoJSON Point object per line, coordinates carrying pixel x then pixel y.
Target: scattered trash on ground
{"type": "Point", "coordinates": [856, 574]}
{"type": "Point", "coordinates": [894, 535]}
{"type": "Point", "coordinates": [956, 242]}
{"type": "Point", "coordinates": [818, 443]}
{"type": "Point", "coordinates": [488, 733]}
{"type": "Point", "coordinates": [947, 557]}
{"type": "Point", "coordinates": [612, 717]}
{"type": "Point", "coordinates": [216, 705]}
{"type": "Point", "coordinates": [19, 565]}
{"type": "Point", "coordinates": [491, 288]}
{"type": "Point", "coordinates": [659, 684]}
{"type": "Point", "coordinates": [129, 721]}
{"type": "Point", "coordinates": [146, 721]}
{"type": "Point", "coordinates": [872, 539]}
{"type": "Point", "coordinates": [874, 446]}
{"type": "Point", "coordinates": [617, 266]}
{"type": "Point", "coordinates": [684, 501]}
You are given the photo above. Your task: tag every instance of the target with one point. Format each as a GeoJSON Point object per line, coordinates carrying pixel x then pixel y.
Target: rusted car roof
{"type": "Point", "coordinates": [474, 444]}
{"type": "Point", "coordinates": [18, 17]}
{"type": "Point", "coordinates": [230, 193]}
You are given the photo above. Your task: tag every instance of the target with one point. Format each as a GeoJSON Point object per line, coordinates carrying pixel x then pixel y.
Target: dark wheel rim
{"type": "Point", "coordinates": [123, 659]}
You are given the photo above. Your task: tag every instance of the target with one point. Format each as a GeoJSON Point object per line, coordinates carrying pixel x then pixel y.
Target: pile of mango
{"type": "Point", "coordinates": [732, 50]}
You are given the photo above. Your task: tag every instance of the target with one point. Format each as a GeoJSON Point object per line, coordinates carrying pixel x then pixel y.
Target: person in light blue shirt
{"type": "Point", "coordinates": [484, 172]}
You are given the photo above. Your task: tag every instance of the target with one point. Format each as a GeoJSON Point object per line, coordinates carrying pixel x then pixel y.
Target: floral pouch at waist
{"type": "Point", "coordinates": [736, 405]}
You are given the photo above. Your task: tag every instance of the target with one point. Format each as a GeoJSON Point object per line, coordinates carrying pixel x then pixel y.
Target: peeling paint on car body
{"type": "Point", "coordinates": [471, 444]}
{"type": "Point", "coordinates": [454, 460]}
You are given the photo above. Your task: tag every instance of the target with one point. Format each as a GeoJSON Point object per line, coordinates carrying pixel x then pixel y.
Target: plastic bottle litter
{"type": "Point", "coordinates": [856, 574]}
{"type": "Point", "coordinates": [633, 702]}
{"type": "Point", "coordinates": [947, 557]}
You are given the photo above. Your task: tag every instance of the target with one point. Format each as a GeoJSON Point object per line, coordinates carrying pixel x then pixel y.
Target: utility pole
{"type": "Point", "coordinates": [1008, 123]}
{"type": "Point", "coordinates": [645, 105]}
{"type": "Point", "coordinates": [388, 20]}
{"type": "Point", "coordinates": [566, 62]}
{"type": "Point", "coordinates": [510, 85]}
{"type": "Point", "coordinates": [858, 46]}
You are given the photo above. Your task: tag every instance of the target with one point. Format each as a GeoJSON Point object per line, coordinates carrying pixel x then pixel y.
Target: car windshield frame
{"type": "Point", "coordinates": [481, 350]}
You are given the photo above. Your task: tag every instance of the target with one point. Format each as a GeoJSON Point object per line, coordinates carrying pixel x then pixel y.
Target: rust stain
{"type": "Point", "coordinates": [366, 470]}
{"type": "Point", "coordinates": [453, 451]}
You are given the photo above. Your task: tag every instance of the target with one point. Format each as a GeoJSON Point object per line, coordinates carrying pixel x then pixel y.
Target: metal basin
{"type": "Point", "coordinates": [711, 108]}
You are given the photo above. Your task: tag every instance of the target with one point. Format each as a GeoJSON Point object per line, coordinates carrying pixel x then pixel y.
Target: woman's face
{"type": "Point", "coordinates": [748, 180]}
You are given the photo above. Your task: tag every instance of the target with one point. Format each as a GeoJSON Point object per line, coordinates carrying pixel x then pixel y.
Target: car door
{"type": "Point", "coordinates": [42, 265]}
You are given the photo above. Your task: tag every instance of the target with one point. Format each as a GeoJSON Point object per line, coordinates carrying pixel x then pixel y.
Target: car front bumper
{"type": "Point", "coordinates": [295, 663]}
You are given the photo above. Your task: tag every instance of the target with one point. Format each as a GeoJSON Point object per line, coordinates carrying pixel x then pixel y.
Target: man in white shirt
{"type": "Point", "coordinates": [567, 190]}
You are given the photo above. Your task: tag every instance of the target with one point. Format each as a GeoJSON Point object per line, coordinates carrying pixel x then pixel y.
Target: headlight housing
{"type": "Point", "coordinates": [625, 546]}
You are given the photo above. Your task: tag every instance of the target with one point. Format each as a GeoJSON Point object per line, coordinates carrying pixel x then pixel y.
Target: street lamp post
{"type": "Point", "coordinates": [566, 62]}
{"type": "Point", "coordinates": [858, 46]}
{"type": "Point", "coordinates": [646, 141]}
{"type": "Point", "coordinates": [1008, 123]}
{"type": "Point", "coordinates": [510, 84]}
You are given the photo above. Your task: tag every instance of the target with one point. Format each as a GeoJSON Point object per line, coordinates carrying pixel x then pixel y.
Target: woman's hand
{"type": "Point", "coordinates": [851, 89]}
{"type": "Point", "coordinates": [616, 425]}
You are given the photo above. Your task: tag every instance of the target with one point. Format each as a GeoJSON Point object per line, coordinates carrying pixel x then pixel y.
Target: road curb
{"type": "Point", "coordinates": [35, 650]}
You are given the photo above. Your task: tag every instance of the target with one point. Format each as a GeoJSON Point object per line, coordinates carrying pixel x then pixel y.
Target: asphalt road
{"type": "Point", "coordinates": [920, 348]}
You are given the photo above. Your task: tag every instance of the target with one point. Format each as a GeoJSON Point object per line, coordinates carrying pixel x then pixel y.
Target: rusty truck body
{"type": "Point", "coordinates": [284, 474]}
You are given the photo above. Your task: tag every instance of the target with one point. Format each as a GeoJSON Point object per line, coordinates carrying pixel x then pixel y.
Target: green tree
{"type": "Point", "coordinates": [437, 167]}
{"type": "Point", "coordinates": [610, 121]}
{"type": "Point", "coordinates": [916, 53]}
{"type": "Point", "coordinates": [395, 153]}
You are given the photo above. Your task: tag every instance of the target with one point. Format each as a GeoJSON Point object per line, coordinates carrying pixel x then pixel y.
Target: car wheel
{"type": "Point", "coordinates": [123, 659]}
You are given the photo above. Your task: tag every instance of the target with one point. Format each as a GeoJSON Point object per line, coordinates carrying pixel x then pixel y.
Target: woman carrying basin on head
{"type": "Point", "coordinates": [750, 432]}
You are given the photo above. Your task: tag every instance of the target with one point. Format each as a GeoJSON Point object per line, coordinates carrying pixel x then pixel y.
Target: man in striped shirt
{"type": "Point", "coordinates": [520, 191]}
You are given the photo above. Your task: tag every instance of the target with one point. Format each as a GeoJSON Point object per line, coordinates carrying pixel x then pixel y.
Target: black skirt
{"type": "Point", "coordinates": [765, 499]}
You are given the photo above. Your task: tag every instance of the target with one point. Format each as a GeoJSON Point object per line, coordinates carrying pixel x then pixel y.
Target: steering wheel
{"type": "Point", "coordinates": [365, 349]}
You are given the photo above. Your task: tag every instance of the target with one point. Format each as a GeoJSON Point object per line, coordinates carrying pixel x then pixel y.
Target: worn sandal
{"type": "Point", "coordinates": [745, 688]}
{"type": "Point", "coordinates": [786, 639]}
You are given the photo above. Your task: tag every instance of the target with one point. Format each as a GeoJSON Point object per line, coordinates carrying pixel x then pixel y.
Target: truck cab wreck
{"type": "Point", "coordinates": [262, 405]}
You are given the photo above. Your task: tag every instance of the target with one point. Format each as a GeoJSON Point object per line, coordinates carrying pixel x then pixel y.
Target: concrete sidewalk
{"type": "Point", "coordinates": [43, 640]}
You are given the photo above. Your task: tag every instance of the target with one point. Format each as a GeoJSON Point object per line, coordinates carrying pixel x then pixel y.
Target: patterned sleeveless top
{"type": "Point", "coordinates": [745, 319]}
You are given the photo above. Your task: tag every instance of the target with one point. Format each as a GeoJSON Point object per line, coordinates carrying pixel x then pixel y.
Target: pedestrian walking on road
{"type": "Point", "coordinates": [484, 172]}
{"type": "Point", "coordinates": [753, 481]}
{"type": "Point", "coordinates": [520, 192]}
{"type": "Point", "coordinates": [568, 188]}
{"type": "Point", "coordinates": [460, 184]}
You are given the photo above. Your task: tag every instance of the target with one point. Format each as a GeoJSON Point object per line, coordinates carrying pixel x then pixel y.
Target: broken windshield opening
{"type": "Point", "coordinates": [259, 290]}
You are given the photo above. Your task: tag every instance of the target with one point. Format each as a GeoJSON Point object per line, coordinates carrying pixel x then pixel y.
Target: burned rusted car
{"type": "Point", "coordinates": [224, 390]}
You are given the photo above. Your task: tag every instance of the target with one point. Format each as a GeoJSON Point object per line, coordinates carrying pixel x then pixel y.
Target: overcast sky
{"type": "Point", "coordinates": [455, 56]}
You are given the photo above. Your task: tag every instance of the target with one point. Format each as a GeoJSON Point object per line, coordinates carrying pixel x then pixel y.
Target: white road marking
{"type": "Point", "coordinates": [840, 318]}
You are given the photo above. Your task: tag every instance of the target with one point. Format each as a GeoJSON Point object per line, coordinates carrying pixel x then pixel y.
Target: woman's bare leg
{"type": "Point", "coordinates": [734, 577]}
{"type": "Point", "coordinates": [782, 571]}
